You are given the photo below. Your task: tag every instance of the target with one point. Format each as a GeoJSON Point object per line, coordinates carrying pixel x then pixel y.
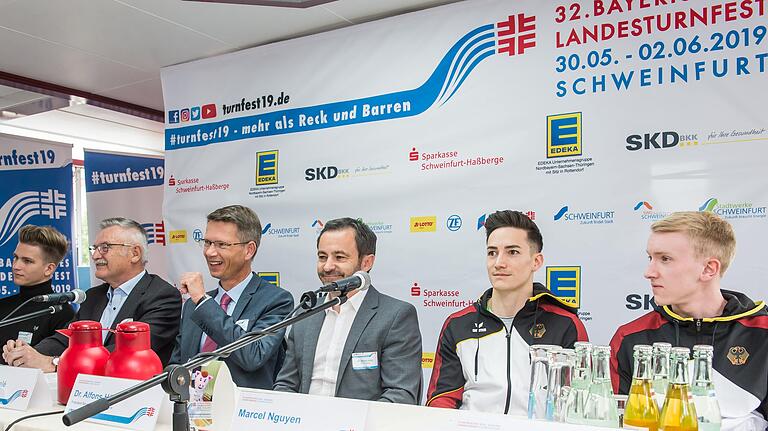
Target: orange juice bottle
{"type": "Point", "coordinates": [679, 412]}
{"type": "Point", "coordinates": [640, 410]}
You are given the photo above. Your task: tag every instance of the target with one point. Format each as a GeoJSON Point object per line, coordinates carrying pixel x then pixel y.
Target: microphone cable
{"type": "Point", "coordinates": [10, 425]}
{"type": "Point", "coordinates": [17, 309]}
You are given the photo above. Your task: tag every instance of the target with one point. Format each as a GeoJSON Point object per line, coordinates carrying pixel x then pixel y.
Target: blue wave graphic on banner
{"type": "Point", "coordinates": [440, 87]}
{"type": "Point", "coordinates": [25, 205]}
{"type": "Point", "coordinates": [144, 411]}
{"type": "Point", "coordinates": [6, 401]}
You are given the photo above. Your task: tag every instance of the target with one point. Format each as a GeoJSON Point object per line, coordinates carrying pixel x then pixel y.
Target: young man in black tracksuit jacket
{"type": "Point", "coordinates": [482, 361]}
{"type": "Point", "coordinates": [689, 252]}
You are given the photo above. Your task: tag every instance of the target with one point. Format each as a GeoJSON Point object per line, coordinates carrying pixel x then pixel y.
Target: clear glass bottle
{"type": "Point", "coordinates": [641, 411]}
{"type": "Point", "coordinates": [678, 413]}
{"type": "Point", "coordinates": [580, 382]}
{"type": "Point", "coordinates": [660, 367]}
{"type": "Point", "coordinates": [600, 407]}
{"type": "Point", "coordinates": [707, 408]}
{"type": "Point", "coordinates": [537, 393]}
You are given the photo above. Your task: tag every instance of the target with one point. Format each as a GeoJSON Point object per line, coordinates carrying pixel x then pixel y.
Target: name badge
{"type": "Point", "coordinates": [25, 337]}
{"type": "Point", "coordinates": [365, 360]}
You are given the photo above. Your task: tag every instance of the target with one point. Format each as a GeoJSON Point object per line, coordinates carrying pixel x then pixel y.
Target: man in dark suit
{"type": "Point", "coordinates": [129, 293]}
{"type": "Point", "coordinates": [368, 348]}
{"type": "Point", "coordinates": [242, 302]}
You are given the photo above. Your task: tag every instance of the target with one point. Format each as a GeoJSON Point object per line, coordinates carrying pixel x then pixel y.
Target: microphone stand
{"type": "Point", "coordinates": [175, 379]}
{"type": "Point", "coordinates": [53, 309]}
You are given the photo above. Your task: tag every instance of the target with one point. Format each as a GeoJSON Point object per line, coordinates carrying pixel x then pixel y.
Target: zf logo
{"type": "Point", "coordinates": [453, 223]}
{"type": "Point", "coordinates": [564, 135]}
{"type": "Point", "coordinates": [266, 167]}
{"type": "Point", "coordinates": [652, 140]}
{"type": "Point", "coordinates": [565, 283]}
{"type": "Point", "coordinates": [324, 173]}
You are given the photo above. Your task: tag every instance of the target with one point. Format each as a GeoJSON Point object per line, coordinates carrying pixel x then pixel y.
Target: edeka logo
{"type": "Point", "coordinates": [424, 224]}
{"type": "Point", "coordinates": [321, 173]}
{"type": "Point", "coordinates": [646, 211]}
{"type": "Point", "coordinates": [564, 135]}
{"type": "Point", "coordinates": [586, 217]}
{"type": "Point", "coordinates": [733, 210]}
{"type": "Point", "coordinates": [266, 167]}
{"type": "Point", "coordinates": [177, 236]}
{"type": "Point", "coordinates": [654, 140]}
{"type": "Point", "coordinates": [427, 359]}
{"type": "Point", "coordinates": [281, 231]}
{"type": "Point", "coordinates": [270, 277]}
{"type": "Point", "coordinates": [155, 232]}
{"type": "Point", "coordinates": [453, 223]}
{"type": "Point", "coordinates": [565, 283]}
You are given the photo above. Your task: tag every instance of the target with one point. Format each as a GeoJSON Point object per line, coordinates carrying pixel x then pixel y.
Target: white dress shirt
{"type": "Point", "coordinates": [115, 300]}
{"type": "Point", "coordinates": [330, 344]}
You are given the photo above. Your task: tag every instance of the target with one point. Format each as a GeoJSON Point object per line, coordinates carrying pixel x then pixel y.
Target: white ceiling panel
{"type": "Point", "coordinates": [241, 25]}
{"type": "Point", "coordinates": [147, 93]}
{"type": "Point", "coordinates": [45, 61]}
{"type": "Point", "coordinates": [112, 30]}
{"type": "Point", "coordinates": [362, 11]}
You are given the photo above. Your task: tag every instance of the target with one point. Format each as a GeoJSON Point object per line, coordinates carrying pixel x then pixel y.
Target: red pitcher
{"type": "Point", "coordinates": [86, 354]}
{"type": "Point", "coordinates": [133, 357]}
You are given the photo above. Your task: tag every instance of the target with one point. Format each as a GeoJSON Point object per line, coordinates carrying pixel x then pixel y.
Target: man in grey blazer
{"type": "Point", "coordinates": [369, 347]}
{"type": "Point", "coordinates": [242, 302]}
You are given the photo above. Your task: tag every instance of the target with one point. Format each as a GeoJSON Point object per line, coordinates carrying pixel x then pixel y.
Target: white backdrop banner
{"type": "Point", "coordinates": [595, 118]}
{"type": "Point", "coordinates": [36, 178]}
{"type": "Point", "coordinates": [122, 185]}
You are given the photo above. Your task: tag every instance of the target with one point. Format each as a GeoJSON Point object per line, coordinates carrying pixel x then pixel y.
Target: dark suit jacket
{"type": "Point", "coordinates": [262, 304]}
{"type": "Point", "coordinates": [152, 301]}
{"type": "Point", "coordinates": [384, 325]}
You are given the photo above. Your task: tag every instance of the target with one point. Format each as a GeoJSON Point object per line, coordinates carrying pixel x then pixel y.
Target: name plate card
{"type": "Point", "coordinates": [23, 388]}
{"type": "Point", "coordinates": [137, 413]}
{"type": "Point", "coordinates": [268, 410]}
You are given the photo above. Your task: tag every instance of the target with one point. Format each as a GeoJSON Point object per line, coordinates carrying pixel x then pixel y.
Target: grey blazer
{"type": "Point", "coordinates": [384, 325]}
{"type": "Point", "coordinates": [263, 304]}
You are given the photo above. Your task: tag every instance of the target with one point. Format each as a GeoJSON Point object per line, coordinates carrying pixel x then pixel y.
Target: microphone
{"type": "Point", "coordinates": [77, 296]}
{"type": "Point", "coordinates": [360, 280]}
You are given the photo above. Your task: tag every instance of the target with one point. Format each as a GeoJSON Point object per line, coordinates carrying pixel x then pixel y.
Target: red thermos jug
{"type": "Point", "coordinates": [86, 354]}
{"type": "Point", "coordinates": [133, 357]}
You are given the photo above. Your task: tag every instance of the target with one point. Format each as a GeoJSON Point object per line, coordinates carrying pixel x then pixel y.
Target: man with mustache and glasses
{"type": "Point", "coordinates": [368, 348]}
{"type": "Point", "coordinates": [129, 293]}
{"type": "Point", "coordinates": [242, 301]}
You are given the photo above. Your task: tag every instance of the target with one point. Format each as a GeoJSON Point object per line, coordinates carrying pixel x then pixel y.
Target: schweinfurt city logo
{"type": "Point", "coordinates": [565, 283]}
{"type": "Point", "coordinates": [647, 212]}
{"type": "Point", "coordinates": [733, 210]}
{"type": "Point", "coordinates": [281, 231]}
{"type": "Point", "coordinates": [564, 135]}
{"type": "Point", "coordinates": [565, 214]}
{"type": "Point", "coordinates": [25, 205]}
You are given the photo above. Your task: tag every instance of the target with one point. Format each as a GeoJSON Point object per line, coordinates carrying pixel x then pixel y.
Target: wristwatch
{"type": "Point", "coordinates": [55, 362]}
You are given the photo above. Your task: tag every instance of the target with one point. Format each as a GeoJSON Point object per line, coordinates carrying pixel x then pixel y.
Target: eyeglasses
{"type": "Point", "coordinates": [218, 245]}
{"type": "Point", "coordinates": [104, 247]}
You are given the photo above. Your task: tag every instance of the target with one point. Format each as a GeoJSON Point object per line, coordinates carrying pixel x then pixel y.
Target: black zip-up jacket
{"type": "Point", "coordinates": [740, 362]}
{"type": "Point", "coordinates": [480, 365]}
{"type": "Point", "coordinates": [37, 328]}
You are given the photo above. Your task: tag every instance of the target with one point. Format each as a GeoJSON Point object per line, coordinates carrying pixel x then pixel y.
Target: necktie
{"type": "Point", "coordinates": [209, 345]}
